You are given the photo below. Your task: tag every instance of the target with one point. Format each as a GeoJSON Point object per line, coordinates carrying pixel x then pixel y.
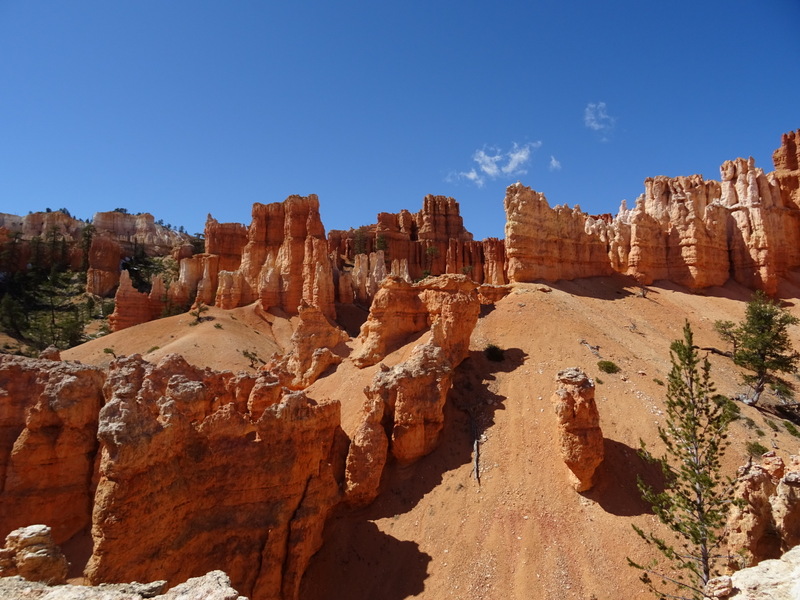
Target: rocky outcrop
{"type": "Point", "coordinates": [402, 416]}
{"type": "Point", "coordinates": [30, 552]}
{"type": "Point", "coordinates": [769, 580]}
{"type": "Point", "coordinates": [201, 481]}
{"type": "Point", "coordinates": [580, 436]}
{"type": "Point", "coordinates": [280, 260]}
{"type": "Point", "coordinates": [48, 424]}
{"type": "Point", "coordinates": [395, 313]}
{"type": "Point", "coordinates": [215, 585]}
{"type": "Point", "coordinates": [138, 232]}
{"type": "Point", "coordinates": [688, 230]}
{"type": "Point", "coordinates": [766, 521]}
{"type": "Point", "coordinates": [448, 304]}
{"type": "Point", "coordinates": [132, 307]}
{"type": "Point", "coordinates": [105, 256]}
{"type": "Point", "coordinates": [413, 395]}
{"type": "Point", "coordinates": [678, 233]}
{"type": "Point", "coordinates": [433, 241]}
{"type": "Point", "coordinates": [368, 452]}
{"type": "Point", "coordinates": [404, 411]}
{"type": "Point", "coordinates": [452, 306]}
{"type": "Point", "coordinates": [227, 241]}
{"type": "Point", "coordinates": [551, 244]}
{"type": "Point", "coordinates": [311, 350]}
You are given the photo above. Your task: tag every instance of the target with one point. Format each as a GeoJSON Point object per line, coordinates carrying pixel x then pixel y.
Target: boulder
{"type": "Point", "coordinates": [30, 552]}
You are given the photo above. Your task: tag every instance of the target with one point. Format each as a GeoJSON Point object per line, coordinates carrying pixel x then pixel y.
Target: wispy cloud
{"type": "Point", "coordinates": [495, 162]}
{"type": "Point", "coordinates": [555, 164]}
{"type": "Point", "coordinates": [596, 117]}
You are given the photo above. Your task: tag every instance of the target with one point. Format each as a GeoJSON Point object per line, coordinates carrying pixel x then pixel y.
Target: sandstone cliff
{"type": "Point", "coordinates": [688, 230]}
{"type": "Point", "coordinates": [48, 424]}
{"type": "Point", "coordinates": [432, 241]}
{"type": "Point", "coordinates": [201, 482]}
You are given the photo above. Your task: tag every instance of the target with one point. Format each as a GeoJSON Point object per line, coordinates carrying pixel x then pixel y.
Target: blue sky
{"type": "Point", "coordinates": [182, 108]}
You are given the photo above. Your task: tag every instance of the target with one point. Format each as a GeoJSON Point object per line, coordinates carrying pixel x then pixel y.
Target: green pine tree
{"type": "Point", "coordinates": [761, 344]}
{"type": "Point", "coordinates": [696, 497]}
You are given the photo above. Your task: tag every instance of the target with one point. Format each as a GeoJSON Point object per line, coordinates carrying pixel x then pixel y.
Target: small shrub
{"type": "Point", "coordinates": [658, 381]}
{"type": "Point", "coordinates": [749, 423]}
{"type": "Point", "coordinates": [153, 349]}
{"type": "Point", "coordinates": [755, 449]}
{"type": "Point", "coordinates": [607, 366]}
{"type": "Point", "coordinates": [760, 432]}
{"type": "Point", "coordinates": [494, 353]}
{"type": "Point", "coordinates": [598, 381]}
{"type": "Point", "coordinates": [791, 428]}
{"type": "Point", "coordinates": [217, 325]}
{"type": "Point", "coordinates": [772, 425]}
{"type": "Point", "coordinates": [109, 351]}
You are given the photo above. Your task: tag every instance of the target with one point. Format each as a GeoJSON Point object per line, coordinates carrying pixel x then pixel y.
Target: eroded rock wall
{"type": "Point", "coordinates": [200, 481]}
{"type": "Point", "coordinates": [48, 423]}
{"type": "Point", "coordinates": [688, 230]}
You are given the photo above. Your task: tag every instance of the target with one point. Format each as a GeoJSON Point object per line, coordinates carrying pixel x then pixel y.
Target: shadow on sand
{"type": "Point", "coordinates": [615, 488]}
{"type": "Point", "coordinates": [358, 560]}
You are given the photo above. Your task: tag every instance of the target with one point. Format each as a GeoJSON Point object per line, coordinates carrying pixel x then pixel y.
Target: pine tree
{"type": "Point", "coordinates": [696, 496]}
{"type": "Point", "coordinates": [761, 344]}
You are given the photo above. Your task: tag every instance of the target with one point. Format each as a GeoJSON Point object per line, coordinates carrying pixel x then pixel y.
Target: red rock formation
{"type": "Point", "coordinates": [678, 233]}
{"type": "Point", "coordinates": [448, 304]}
{"type": "Point", "coordinates": [395, 313]}
{"type": "Point", "coordinates": [48, 420]}
{"type": "Point", "coordinates": [432, 241]}
{"type": "Point", "coordinates": [551, 244]}
{"type": "Point", "coordinates": [766, 521]}
{"type": "Point", "coordinates": [134, 232]}
{"type": "Point", "coordinates": [132, 307]}
{"type": "Point", "coordinates": [311, 352]}
{"type": "Point", "coordinates": [452, 305]}
{"type": "Point", "coordinates": [227, 241]}
{"type": "Point", "coordinates": [408, 400]}
{"type": "Point", "coordinates": [413, 394]}
{"type": "Point", "coordinates": [368, 452]}
{"type": "Point", "coordinates": [685, 229]}
{"type": "Point", "coordinates": [580, 437]}
{"type": "Point", "coordinates": [105, 256]}
{"type": "Point", "coordinates": [31, 553]}
{"type": "Point", "coordinates": [201, 483]}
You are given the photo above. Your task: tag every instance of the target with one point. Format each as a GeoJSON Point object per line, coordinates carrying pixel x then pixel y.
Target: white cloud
{"type": "Point", "coordinates": [472, 175]}
{"type": "Point", "coordinates": [555, 165]}
{"type": "Point", "coordinates": [487, 162]}
{"type": "Point", "coordinates": [494, 162]}
{"type": "Point", "coordinates": [596, 117]}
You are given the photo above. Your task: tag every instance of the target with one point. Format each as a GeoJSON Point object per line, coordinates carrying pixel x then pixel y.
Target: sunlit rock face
{"type": "Point", "coordinates": [48, 441]}
{"type": "Point", "coordinates": [201, 477]}
{"type": "Point", "coordinates": [551, 243]}
{"type": "Point", "coordinates": [579, 433]}
{"type": "Point", "coordinates": [697, 233]}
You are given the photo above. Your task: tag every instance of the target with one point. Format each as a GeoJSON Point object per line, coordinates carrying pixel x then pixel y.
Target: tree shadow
{"type": "Point", "coordinates": [615, 488]}
{"type": "Point", "coordinates": [360, 562]}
